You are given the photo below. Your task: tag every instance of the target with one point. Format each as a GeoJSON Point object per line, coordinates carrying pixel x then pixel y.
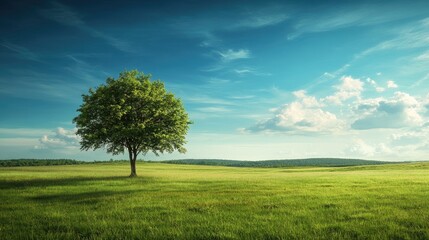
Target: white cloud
{"type": "Point", "coordinates": [247, 70]}
{"type": "Point", "coordinates": [207, 24]}
{"type": "Point", "coordinates": [416, 35]}
{"type": "Point", "coordinates": [260, 18]}
{"type": "Point", "coordinates": [423, 57]}
{"type": "Point", "coordinates": [421, 80]}
{"type": "Point", "coordinates": [373, 83]}
{"type": "Point", "coordinates": [400, 111]}
{"type": "Point", "coordinates": [208, 100]}
{"type": "Point", "coordinates": [353, 15]}
{"type": "Point", "coordinates": [213, 109]}
{"type": "Point", "coordinates": [62, 138]}
{"type": "Point", "coordinates": [359, 148]}
{"type": "Point", "coordinates": [394, 126]}
{"type": "Point", "coordinates": [307, 101]}
{"type": "Point", "coordinates": [243, 71]}
{"type": "Point", "coordinates": [391, 84]}
{"type": "Point", "coordinates": [380, 89]}
{"type": "Point", "coordinates": [349, 88]}
{"type": "Point", "coordinates": [407, 138]}
{"type": "Point", "coordinates": [242, 97]}
{"type": "Point", "coordinates": [328, 76]}
{"type": "Point", "coordinates": [304, 115]}
{"type": "Point", "coordinates": [231, 54]}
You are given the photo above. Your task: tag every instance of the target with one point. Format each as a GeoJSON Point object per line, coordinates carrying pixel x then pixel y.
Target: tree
{"type": "Point", "coordinates": [132, 113]}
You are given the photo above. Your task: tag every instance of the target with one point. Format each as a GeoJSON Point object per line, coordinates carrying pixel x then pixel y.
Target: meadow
{"type": "Point", "coordinates": [167, 201]}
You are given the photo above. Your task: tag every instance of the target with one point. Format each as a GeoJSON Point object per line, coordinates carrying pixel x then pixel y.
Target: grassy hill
{"type": "Point", "coordinates": [327, 162]}
{"type": "Point", "coordinates": [166, 201]}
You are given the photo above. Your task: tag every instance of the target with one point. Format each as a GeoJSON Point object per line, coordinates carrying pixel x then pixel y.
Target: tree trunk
{"type": "Point", "coordinates": [133, 158]}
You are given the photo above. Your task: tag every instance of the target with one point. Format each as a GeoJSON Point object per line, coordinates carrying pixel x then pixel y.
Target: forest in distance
{"type": "Point", "coordinates": [315, 162]}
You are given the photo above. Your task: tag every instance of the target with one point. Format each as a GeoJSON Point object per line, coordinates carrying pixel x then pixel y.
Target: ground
{"type": "Point", "coordinates": [99, 201]}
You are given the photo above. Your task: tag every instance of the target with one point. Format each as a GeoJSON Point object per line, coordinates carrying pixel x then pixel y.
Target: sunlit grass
{"type": "Point", "coordinates": [182, 201]}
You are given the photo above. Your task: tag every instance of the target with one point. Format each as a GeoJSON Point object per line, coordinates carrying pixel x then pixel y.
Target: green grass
{"type": "Point", "coordinates": [98, 201]}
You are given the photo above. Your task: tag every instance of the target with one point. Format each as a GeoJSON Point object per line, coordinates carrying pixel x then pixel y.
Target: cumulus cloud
{"type": "Point", "coordinates": [407, 138]}
{"type": "Point", "coordinates": [402, 110]}
{"type": "Point", "coordinates": [373, 83]}
{"type": "Point", "coordinates": [360, 148]}
{"type": "Point", "coordinates": [305, 114]}
{"type": "Point", "coordinates": [348, 108]}
{"type": "Point", "coordinates": [349, 88]}
{"type": "Point", "coordinates": [391, 84]}
{"type": "Point", "coordinates": [231, 54]}
{"type": "Point", "coordinates": [61, 138]}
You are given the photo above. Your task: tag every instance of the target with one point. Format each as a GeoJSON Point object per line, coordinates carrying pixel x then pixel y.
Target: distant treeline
{"type": "Point", "coordinates": [38, 162]}
{"type": "Point", "coordinates": [51, 162]}
{"type": "Point", "coordinates": [323, 162]}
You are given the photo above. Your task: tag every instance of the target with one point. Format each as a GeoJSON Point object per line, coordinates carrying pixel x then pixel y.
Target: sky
{"type": "Point", "coordinates": [259, 79]}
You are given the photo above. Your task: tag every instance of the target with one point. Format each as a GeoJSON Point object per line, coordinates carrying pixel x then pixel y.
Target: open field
{"type": "Point", "coordinates": [99, 201]}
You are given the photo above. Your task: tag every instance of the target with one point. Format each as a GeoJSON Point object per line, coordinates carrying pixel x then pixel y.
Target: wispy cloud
{"type": "Point", "coordinates": [64, 15]}
{"type": "Point", "coordinates": [260, 18]}
{"type": "Point", "coordinates": [420, 81]}
{"type": "Point", "coordinates": [355, 15]}
{"type": "Point", "coordinates": [22, 132]}
{"type": "Point", "coordinates": [328, 76]}
{"type": "Point", "coordinates": [247, 70]}
{"type": "Point", "coordinates": [225, 58]}
{"type": "Point", "coordinates": [414, 35]}
{"type": "Point", "coordinates": [21, 51]}
{"type": "Point", "coordinates": [207, 24]}
{"type": "Point", "coordinates": [423, 57]}
{"type": "Point", "coordinates": [231, 54]}
{"type": "Point", "coordinates": [30, 84]}
{"type": "Point", "coordinates": [85, 71]}
{"type": "Point", "coordinates": [208, 100]}
{"type": "Point", "coordinates": [242, 97]}
{"type": "Point", "coordinates": [214, 109]}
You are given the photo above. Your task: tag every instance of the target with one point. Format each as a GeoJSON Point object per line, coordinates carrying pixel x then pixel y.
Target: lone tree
{"type": "Point", "coordinates": [132, 113]}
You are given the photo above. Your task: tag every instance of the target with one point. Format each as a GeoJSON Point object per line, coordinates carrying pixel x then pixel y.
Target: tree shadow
{"type": "Point", "coordinates": [50, 182]}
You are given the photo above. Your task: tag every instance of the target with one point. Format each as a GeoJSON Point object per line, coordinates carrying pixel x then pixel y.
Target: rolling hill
{"type": "Point", "coordinates": [323, 162]}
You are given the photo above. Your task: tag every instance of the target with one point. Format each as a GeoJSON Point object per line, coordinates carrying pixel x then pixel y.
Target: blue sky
{"type": "Point", "coordinates": [260, 79]}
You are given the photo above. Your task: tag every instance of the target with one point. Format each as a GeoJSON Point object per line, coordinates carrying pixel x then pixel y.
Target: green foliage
{"type": "Point", "coordinates": [95, 201]}
{"type": "Point", "coordinates": [132, 113]}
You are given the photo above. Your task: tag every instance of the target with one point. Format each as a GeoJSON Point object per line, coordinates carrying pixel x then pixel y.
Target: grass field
{"type": "Point", "coordinates": [169, 201]}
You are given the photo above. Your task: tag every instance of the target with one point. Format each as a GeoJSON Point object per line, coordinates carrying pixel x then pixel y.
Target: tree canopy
{"type": "Point", "coordinates": [134, 114]}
